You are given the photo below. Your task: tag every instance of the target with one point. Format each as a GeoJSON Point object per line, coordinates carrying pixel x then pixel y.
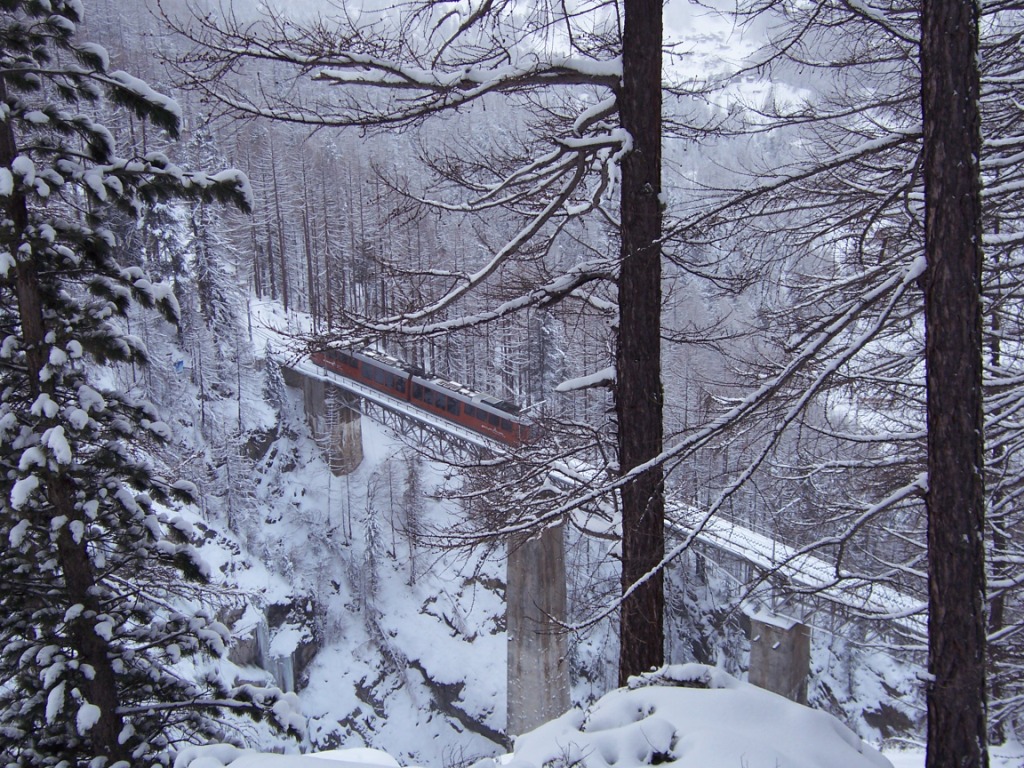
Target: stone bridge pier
{"type": "Point", "coordinates": [333, 420]}
{"type": "Point", "coordinates": [538, 646]}
{"type": "Point", "coordinates": [780, 655]}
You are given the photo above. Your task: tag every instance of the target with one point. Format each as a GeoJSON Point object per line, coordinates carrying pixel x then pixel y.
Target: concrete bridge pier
{"type": "Point", "coordinates": [780, 655]}
{"type": "Point", "coordinates": [538, 647]}
{"type": "Point", "coordinates": [335, 424]}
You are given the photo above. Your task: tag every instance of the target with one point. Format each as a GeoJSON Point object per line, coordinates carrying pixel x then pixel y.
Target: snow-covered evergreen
{"type": "Point", "coordinates": [97, 616]}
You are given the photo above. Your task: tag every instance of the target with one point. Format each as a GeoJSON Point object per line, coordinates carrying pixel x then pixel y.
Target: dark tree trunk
{"type": "Point", "coordinates": [955, 499]}
{"type": "Point", "coordinates": [638, 396]}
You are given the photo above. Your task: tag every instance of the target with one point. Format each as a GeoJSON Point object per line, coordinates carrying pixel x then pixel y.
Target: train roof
{"type": "Point", "coordinates": [470, 395]}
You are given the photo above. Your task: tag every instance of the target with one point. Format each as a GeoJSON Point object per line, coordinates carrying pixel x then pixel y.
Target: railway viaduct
{"type": "Point", "coordinates": [538, 675]}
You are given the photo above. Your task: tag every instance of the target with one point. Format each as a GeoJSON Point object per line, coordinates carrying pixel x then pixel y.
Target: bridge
{"type": "Point", "coordinates": [778, 561]}
{"type": "Point", "coordinates": [538, 679]}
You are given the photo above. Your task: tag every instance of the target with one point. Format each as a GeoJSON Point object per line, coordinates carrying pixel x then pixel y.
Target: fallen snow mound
{"type": "Point", "coordinates": [691, 716]}
{"type": "Point", "coordinates": [221, 755]}
{"type": "Point", "coordinates": [682, 716]}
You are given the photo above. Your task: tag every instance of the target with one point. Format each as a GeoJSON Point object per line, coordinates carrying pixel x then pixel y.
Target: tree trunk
{"type": "Point", "coordinates": [638, 396]}
{"type": "Point", "coordinates": [955, 499]}
{"type": "Point", "coordinates": [328, 251]}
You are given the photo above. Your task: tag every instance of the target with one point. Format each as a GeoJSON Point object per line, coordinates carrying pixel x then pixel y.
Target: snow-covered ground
{"type": "Point", "coordinates": [404, 643]}
{"type": "Point", "coordinates": [660, 719]}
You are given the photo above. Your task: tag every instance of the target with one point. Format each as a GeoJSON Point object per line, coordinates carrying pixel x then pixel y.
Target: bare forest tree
{"type": "Point", "coordinates": [849, 221]}
{"type": "Point", "coordinates": [590, 82]}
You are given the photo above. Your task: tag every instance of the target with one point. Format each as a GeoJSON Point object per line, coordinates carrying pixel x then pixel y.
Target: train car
{"type": "Point", "coordinates": [450, 400]}
{"type": "Point", "coordinates": [369, 367]}
{"type": "Point", "coordinates": [481, 413]}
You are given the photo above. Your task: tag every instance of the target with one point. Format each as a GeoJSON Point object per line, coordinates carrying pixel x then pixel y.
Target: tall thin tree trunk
{"type": "Point", "coordinates": [257, 274]}
{"type": "Point", "coordinates": [639, 396]}
{"type": "Point", "coordinates": [999, 565]}
{"type": "Point", "coordinates": [955, 499]}
{"type": "Point", "coordinates": [280, 229]}
{"type": "Point", "coordinates": [314, 301]}
{"type": "Point", "coordinates": [328, 276]}
{"type": "Point", "coordinates": [312, 288]}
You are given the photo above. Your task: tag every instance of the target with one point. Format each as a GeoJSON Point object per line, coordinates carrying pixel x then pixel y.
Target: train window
{"type": "Point", "coordinates": [417, 391]}
{"type": "Point", "coordinates": [470, 410]}
{"type": "Point", "coordinates": [493, 419]}
{"type": "Point", "coordinates": [506, 425]}
{"type": "Point", "coordinates": [428, 396]}
{"type": "Point", "coordinates": [453, 406]}
{"type": "Point", "coordinates": [348, 360]}
{"type": "Point", "coordinates": [400, 385]}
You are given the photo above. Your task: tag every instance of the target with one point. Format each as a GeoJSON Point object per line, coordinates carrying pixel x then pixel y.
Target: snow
{"type": "Point", "coordinates": [759, 613]}
{"type": "Point", "coordinates": [1006, 756]}
{"type": "Point", "coordinates": [55, 702]}
{"type": "Point", "coordinates": [98, 52]}
{"type": "Point", "coordinates": [603, 378]}
{"type": "Point", "coordinates": [556, 738]}
{"type": "Point", "coordinates": [286, 640]}
{"type": "Point", "coordinates": [23, 490]}
{"type": "Point", "coordinates": [24, 167]}
{"type": "Point", "coordinates": [90, 399]}
{"type": "Point", "coordinates": [88, 716]}
{"type": "Point", "coordinates": [17, 534]}
{"type": "Point", "coordinates": [36, 117]}
{"type": "Point", "coordinates": [55, 439]}
{"type": "Point", "coordinates": [220, 755]}
{"type": "Point", "coordinates": [729, 723]}
{"type": "Point", "coordinates": [143, 90]}
{"type": "Point", "coordinates": [360, 756]}
{"type": "Point", "coordinates": [724, 724]}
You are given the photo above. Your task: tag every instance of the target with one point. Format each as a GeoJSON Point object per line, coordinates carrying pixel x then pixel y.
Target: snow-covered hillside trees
{"type": "Point", "coordinates": [96, 618]}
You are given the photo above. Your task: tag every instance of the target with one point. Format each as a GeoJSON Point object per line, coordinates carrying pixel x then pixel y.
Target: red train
{"type": "Point", "coordinates": [487, 415]}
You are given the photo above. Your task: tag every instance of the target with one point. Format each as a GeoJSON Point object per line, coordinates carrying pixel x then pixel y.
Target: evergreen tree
{"type": "Point", "coordinates": [94, 620]}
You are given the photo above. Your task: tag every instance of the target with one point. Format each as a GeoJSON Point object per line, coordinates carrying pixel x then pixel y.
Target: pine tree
{"type": "Point", "coordinates": [94, 617]}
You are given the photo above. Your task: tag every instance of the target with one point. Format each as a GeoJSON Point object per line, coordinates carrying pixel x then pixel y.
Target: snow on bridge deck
{"type": "Point", "coordinates": [805, 571]}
